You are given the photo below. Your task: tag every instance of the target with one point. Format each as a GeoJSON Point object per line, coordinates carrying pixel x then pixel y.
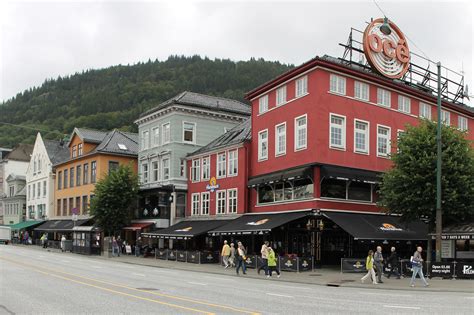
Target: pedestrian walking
{"type": "Point", "coordinates": [138, 247]}
{"type": "Point", "coordinates": [26, 236]}
{"type": "Point", "coordinates": [378, 262]}
{"type": "Point", "coordinates": [119, 245]}
{"type": "Point", "coordinates": [115, 248]}
{"type": "Point", "coordinates": [369, 266]}
{"type": "Point", "coordinates": [264, 253]}
{"type": "Point", "coordinates": [272, 263]}
{"type": "Point", "coordinates": [232, 255]}
{"type": "Point", "coordinates": [63, 243]}
{"type": "Point", "coordinates": [225, 253]}
{"type": "Point", "coordinates": [392, 261]}
{"type": "Point", "coordinates": [417, 267]}
{"type": "Point", "coordinates": [44, 240]}
{"type": "Point", "coordinates": [241, 257]}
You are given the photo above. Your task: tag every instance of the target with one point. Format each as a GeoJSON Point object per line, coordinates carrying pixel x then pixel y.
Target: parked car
{"type": "Point", "coordinates": [5, 234]}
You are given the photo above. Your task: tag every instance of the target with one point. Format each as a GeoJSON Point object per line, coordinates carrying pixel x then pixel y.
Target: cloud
{"type": "Point", "coordinates": [42, 40]}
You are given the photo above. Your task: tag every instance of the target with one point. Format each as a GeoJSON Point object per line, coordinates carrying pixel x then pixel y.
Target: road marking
{"type": "Point", "coordinates": [385, 294]}
{"type": "Point", "coordinates": [96, 267]}
{"type": "Point", "coordinates": [404, 307]}
{"type": "Point", "coordinates": [138, 274]}
{"type": "Point", "coordinates": [135, 289]}
{"type": "Point", "coordinates": [66, 261]}
{"type": "Point", "coordinates": [197, 283]}
{"type": "Point", "coordinates": [280, 295]}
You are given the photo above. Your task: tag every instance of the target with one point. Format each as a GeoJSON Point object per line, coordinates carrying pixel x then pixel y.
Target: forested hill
{"type": "Point", "coordinates": [114, 97]}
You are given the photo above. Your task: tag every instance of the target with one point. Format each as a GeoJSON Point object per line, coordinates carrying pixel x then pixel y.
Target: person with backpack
{"type": "Point", "coordinates": [378, 261]}
{"type": "Point", "coordinates": [241, 257]}
{"type": "Point", "coordinates": [272, 263]}
{"type": "Point", "coordinates": [393, 263]}
{"type": "Point", "coordinates": [369, 266]}
{"type": "Point", "coordinates": [417, 267]}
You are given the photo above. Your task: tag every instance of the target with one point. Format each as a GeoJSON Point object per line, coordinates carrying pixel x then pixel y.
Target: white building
{"type": "Point", "coordinates": [40, 177]}
{"type": "Point", "coordinates": [14, 165]}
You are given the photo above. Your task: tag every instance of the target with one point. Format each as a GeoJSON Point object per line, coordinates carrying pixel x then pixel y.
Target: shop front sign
{"type": "Point", "coordinates": [387, 53]}
{"type": "Point", "coordinates": [213, 185]}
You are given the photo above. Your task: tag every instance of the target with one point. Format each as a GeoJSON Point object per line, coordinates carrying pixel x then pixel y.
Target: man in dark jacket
{"type": "Point", "coordinates": [393, 263]}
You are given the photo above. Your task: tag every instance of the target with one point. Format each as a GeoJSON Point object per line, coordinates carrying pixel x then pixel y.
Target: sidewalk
{"type": "Point", "coordinates": [324, 276]}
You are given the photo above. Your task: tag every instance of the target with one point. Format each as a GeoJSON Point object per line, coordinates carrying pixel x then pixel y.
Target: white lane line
{"type": "Point", "coordinates": [96, 267]}
{"type": "Point", "coordinates": [197, 283]}
{"type": "Point", "coordinates": [385, 294]}
{"type": "Point", "coordinates": [404, 307]}
{"type": "Point", "coordinates": [138, 274]}
{"type": "Point", "coordinates": [289, 286]}
{"type": "Point", "coordinates": [66, 261]}
{"type": "Point", "coordinates": [280, 295]}
{"type": "Point", "coordinates": [469, 297]}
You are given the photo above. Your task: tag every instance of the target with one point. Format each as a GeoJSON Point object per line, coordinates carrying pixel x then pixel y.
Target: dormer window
{"type": "Point", "coordinates": [74, 151]}
{"type": "Point", "coordinates": [79, 149]}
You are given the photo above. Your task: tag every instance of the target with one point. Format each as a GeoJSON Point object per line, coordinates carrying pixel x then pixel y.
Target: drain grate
{"type": "Point", "coordinates": [315, 275]}
{"type": "Point", "coordinates": [147, 289]}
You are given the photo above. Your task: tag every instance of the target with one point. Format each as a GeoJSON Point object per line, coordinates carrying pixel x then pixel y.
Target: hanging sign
{"type": "Point", "coordinates": [387, 52]}
{"type": "Point", "coordinates": [212, 186]}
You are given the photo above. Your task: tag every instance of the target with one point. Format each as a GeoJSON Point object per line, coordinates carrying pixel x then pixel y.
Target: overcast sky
{"type": "Point", "coordinates": [45, 39]}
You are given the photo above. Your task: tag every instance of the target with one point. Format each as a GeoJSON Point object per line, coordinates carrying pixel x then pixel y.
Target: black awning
{"type": "Point", "coordinates": [346, 173]}
{"type": "Point", "coordinates": [258, 223]}
{"type": "Point", "coordinates": [186, 229]}
{"type": "Point", "coordinates": [378, 226]}
{"type": "Point", "coordinates": [60, 225]}
{"type": "Point", "coordinates": [301, 172]}
{"type": "Point", "coordinates": [460, 231]}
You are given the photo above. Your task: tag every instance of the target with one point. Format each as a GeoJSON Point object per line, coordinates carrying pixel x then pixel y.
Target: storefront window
{"type": "Point", "coordinates": [346, 190]}
{"type": "Point", "coordinates": [286, 191]}
{"type": "Point", "coordinates": [279, 192]}
{"type": "Point", "coordinates": [265, 194]}
{"type": "Point", "coordinates": [303, 188]}
{"type": "Point", "coordinates": [360, 191]}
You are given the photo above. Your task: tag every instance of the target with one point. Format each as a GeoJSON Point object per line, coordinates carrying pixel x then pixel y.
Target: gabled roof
{"type": "Point", "coordinates": [13, 176]}
{"type": "Point", "coordinates": [22, 152]}
{"type": "Point", "coordinates": [119, 142]}
{"type": "Point", "coordinates": [236, 135]}
{"type": "Point", "coordinates": [203, 101]}
{"type": "Point", "coordinates": [56, 150]}
{"type": "Point", "coordinates": [90, 135]}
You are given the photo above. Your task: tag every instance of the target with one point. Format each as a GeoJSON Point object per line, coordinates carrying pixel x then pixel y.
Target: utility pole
{"type": "Point", "coordinates": [439, 226]}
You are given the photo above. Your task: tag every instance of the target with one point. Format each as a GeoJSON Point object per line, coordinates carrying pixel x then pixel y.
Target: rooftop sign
{"type": "Point", "coordinates": [387, 53]}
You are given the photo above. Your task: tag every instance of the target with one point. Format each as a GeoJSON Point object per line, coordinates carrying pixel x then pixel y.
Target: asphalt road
{"type": "Point", "coordinates": [42, 282]}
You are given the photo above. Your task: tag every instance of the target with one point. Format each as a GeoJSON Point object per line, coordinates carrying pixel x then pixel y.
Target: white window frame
{"type": "Point", "coordinates": [446, 117]}
{"type": "Point", "coordinates": [155, 170]}
{"type": "Point", "coordinates": [301, 86]}
{"type": "Point", "coordinates": [263, 104]}
{"type": "Point", "coordinates": [156, 136]}
{"type": "Point", "coordinates": [261, 157]}
{"type": "Point", "coordinates": [384, 98]}
{"type": "Point", "coordinates": [281, 96]}
{"type": "Point", "coordinates": [221, 166]}
{"type": "Point", "coordinates": [297, 130]}
{"type": "Point", "coordinates": [234, 199]}
{"type": "Point", "coordinates": [182, 167]}
{"type": "Point", "coordinates": [220, 199]}
{"type": "Point", "coordinates": [343, 131]}
{"type": "Point", "coordinates": [231, 162]}
{"type": "Point", "coordinates": [278, 135]}
{"type": "Point", "coordinates": [163, 168]}
{"type": "Point", "coordinates": [165, 133]}
{"type": "Point", "coordinates": [361, 88]}
{"type": "Point", "coordinates": [195, 170]}
{"type": "Point", "coordinates": [208, 168]}
{"type": "Point", "coordinates": [404, 104]}
{"type": "Point", "coordinates": [399, 132]}
{"type": "Point", "coordinates": [463, 123]}
{"type": "Point", "coordinates": [367, 136]}
{"type": "Point", "coordinates": [145, 173]}
{"type": "Point", "coordinates": [195, 203]}
{"type": "Point", "coordinates": [425, 110]}
{"type": "Point", "coordinates": [208, 200]}
{"type": "Point", "coordinates": [145, 139]}
{"type": "Point", "coordinates": [337, 84]}
{"type": "Point", "coordinates": [388, 137]}
{"type": "Point", "coordinates": [193, 141]}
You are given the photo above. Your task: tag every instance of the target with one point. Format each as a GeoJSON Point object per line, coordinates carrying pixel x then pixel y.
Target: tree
{"type": "Point", "coordinates": [115, 197]}
{"type": "Point", "coordinates": [409, 188]}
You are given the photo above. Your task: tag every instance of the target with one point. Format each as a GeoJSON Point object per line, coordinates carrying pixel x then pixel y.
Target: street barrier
{"type": "Point", "coordinates": [355, 265]}
{"type": "Point", "coordinates": [193, 257]}
{"type": "Point", "coordinates": [181, 255]}
{"type": "Point", "coordinates": [251, 261]}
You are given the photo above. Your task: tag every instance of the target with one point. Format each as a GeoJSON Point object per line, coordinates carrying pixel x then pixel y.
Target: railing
{"type": "Point", "coordinates": [195, 257]}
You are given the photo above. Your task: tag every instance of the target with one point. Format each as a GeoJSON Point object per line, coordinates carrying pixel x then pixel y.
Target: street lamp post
{"type": "Point", "coordinates": [438, 172]}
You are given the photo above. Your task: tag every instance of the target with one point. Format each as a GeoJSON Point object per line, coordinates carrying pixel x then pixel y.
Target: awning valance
{"type": "Point", "coordinates": [25, 225]}
{"type": "Point", "coordinates": [138, 226]}
{"type": "Point", "coordinates": [290, 174]}
{"type": "Point", "coordinates": [461, 231]}
{"type": "Point", "coordinates": [329, 171]}
{"type": "Point", "coordinates": [186, 229]}
{"type": "Point", "coordinates": [60, 225]}
{"type": "Point", "coordinates": [258, 223]}
{"type": "Point", "coordinates": [378, 226]}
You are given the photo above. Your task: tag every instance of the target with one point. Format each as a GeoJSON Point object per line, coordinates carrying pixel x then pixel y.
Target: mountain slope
{"type": "Point", "coordinates": [114, 97]}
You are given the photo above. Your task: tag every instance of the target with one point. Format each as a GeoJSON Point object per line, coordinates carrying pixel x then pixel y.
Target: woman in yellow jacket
{"type": "Point", "coordinates": [272, 263]}
{"type": "Point", "coordinates": [369, 265]}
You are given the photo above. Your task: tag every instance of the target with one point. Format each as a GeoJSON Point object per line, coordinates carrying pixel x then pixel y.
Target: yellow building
{"type": "Point", "coordinates": [93, 154]}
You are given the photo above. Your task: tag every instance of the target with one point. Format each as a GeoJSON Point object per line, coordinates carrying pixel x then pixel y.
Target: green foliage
{"type": "Point", "coordinates": [409, 188]}
{"type": "Point", "coordinates": [114, 97]}
{"type": "Point", "coordinates": [115, 197]}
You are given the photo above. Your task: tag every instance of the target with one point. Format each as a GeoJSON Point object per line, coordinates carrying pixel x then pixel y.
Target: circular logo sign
{"type": "Point", "coordinates": [388, 54]}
